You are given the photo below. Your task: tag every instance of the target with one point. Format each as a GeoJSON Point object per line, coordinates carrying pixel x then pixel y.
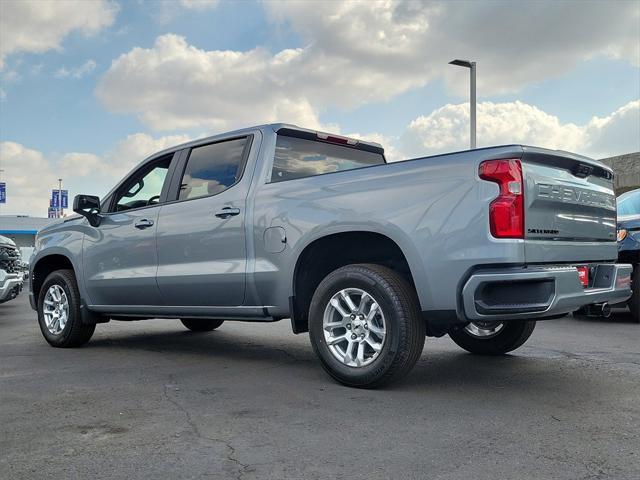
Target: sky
{"type": "Point", "coordinates": [88, 88]}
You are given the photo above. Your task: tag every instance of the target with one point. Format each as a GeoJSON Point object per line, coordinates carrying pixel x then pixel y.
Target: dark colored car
{"type": "Point", "coordinates": [629, 243]}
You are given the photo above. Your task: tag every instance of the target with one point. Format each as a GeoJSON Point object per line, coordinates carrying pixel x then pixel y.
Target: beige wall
{"type": "Point", "coordinates": [627, 171]}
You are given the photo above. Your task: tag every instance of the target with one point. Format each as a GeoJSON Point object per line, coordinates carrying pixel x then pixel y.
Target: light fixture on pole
{"type": "Point", "coordinates": [472, 97]}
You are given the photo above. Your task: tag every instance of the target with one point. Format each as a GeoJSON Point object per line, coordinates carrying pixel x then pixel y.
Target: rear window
{"type": "Point", "coordinates": [298, 158]}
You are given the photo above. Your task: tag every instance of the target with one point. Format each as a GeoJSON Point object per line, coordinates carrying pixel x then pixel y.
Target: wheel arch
{"type": "Point", "coordinates": [46, 264]}
{"type": "Point", "coordinates": [324, 254]}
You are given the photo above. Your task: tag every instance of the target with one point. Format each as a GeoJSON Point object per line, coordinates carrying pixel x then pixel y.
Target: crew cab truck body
{"type": "Point", "coordinates": [278, 222]}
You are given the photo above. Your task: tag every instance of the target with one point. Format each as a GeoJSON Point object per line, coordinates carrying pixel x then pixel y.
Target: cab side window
{"type": "Point", "coordinates": [144, 187]}
{"type": "Point", "coordinates": [212, 169]}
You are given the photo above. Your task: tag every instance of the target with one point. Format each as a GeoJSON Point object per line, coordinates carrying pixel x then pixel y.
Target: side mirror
{"type": "Point", "coordinates": [88, 206]}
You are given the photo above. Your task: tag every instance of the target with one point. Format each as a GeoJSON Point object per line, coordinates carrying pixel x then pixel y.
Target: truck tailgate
{"type": "Point", "coordinates": [570, 208]}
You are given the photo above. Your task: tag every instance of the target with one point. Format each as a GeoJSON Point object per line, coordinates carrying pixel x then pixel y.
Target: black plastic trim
{"type": "Point", "coordinates": [567, 162]}
{"type": "Point", "coordinates": [299, 322]}
{"type": "Point", "coordinates": [439, 322]}
{"type": "Point", "coordinates": [292, 132]}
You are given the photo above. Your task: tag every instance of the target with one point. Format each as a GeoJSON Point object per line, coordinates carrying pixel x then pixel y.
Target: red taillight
{"type": "Point", "coordinates": [325, 137]}
{"type": "Point", "coordinates": [583, 275]}
{"type": "Point", "coordinates": [506, 211]}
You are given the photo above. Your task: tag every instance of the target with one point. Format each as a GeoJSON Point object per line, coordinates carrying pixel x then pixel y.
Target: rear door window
{"type": "Point", "coordinates": [299, 157]}
{"type": "Point", "coordinates": [212, 169]}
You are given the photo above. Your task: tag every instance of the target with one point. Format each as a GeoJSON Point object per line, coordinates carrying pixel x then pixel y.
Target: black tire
{"type": "Point", "coordinates": [512, 336]}
{"type": "Point", "coordinates": [405, 327]}
{"type": "Point", "coordinates": [75, 333]}
{"type": "Point", "coordinates": [634, 301]}
{"type": "Point", "coordinates": [201, 325]}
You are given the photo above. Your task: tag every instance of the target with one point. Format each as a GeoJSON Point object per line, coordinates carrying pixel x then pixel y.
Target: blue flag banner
{"type": "Point", "coordinates": [59, 195]}
{"type": "Point", "coordinates": [3, 192]}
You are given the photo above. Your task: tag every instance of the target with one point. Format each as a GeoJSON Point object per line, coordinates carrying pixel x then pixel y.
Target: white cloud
{"type": "Point", "coordinates": [167, 10]}
{"type": "Point", "coordinates": [407, 43]}
{"type": "Point", "coordinates": [11, 76]}
{"type": "Point", "coordinates": [447, 129]}
{"type": "Point", "coordinates": [199, 4]}
{"type": "Point", "coordinates": [28, 193]}
{"type": "Point", "coordinates": [100, 173]}
{"type": "Point", "coordinates": [78, 72]}
{"type": "Point", "coordinates": [38, 26]}
{"type": "Point", "coordinates": [615, 134]}
{"type": "Point", "coordinates": [176, 86]}
{"type": "Point", "coordinates": [82, 164]}
{"type": "Point", "coordinates": [356, 53]}
{"type": "Point", "coordinates": [135, 148]}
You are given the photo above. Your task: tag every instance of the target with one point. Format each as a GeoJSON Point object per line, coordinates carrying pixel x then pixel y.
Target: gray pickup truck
{"type": "Point", "coordinates": [369, 257]}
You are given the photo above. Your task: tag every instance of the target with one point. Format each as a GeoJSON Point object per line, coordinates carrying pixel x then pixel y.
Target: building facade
{"type": "Point", "coordinates": [22, 229]}
{"type": "Point", "coordinates": [626, 169]}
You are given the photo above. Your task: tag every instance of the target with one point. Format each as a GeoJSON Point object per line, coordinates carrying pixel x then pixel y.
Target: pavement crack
{"type": "Point", "coordinates": [231, 450]}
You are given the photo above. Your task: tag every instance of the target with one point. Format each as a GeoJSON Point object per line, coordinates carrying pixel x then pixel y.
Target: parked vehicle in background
{"type": "Point", "coordinates": [629, 243]}
{"type": "Point", "coordinates": [11, 270]}
{"type": "Point", "coordinates": [278, 222]}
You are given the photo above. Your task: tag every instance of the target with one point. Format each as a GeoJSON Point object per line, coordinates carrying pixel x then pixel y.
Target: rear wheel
{"type": "Point", "coordinates": [365, 325]}
{"type": "Point", "coordinates": [492, 338]}
{"type": "Point", "coordinates": [634, 301]}
{"type": "Point", "coordinates": [201, 325]}
{"type": "Point", "coordinates": [59, 311]}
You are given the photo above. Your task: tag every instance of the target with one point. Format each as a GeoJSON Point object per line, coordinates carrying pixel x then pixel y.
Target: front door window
{"type": "Point", "coordinates": [144, 187]}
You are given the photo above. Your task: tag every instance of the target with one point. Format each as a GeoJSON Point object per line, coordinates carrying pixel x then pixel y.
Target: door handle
{"type": "Point", "coordinates": [227, 212]}
{"type": "Point", "coordinates": [143, 223]}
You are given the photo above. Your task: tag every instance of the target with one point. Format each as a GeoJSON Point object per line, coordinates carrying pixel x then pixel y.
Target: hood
{"type": "Point", "coordinates": [6, 241]}
{"type": "Point", "coordinates": [630, 222]}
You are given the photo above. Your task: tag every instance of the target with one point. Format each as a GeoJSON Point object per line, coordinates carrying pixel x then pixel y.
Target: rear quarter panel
{"type": "Point", "coordinates": [435, 209]}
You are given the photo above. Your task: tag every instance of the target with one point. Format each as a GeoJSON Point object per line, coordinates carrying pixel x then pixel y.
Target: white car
{"type": "Point", "coordinates": [11, 270]}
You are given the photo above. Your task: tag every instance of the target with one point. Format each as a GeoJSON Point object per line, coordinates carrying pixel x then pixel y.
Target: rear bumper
{"type": "Point", "coordinates": [541, 291]}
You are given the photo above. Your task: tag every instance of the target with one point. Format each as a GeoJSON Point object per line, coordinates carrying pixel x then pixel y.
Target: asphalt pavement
{"type": "Point", "coordinates": [150, 399]}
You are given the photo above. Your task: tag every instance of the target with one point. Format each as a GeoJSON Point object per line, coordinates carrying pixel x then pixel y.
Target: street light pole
{"type": "Point", "coordinates": [472, 98]}
{"type": "Point", "coordinates": [59, 198]}
{"type": "Point", "coordinates": [1, 172]}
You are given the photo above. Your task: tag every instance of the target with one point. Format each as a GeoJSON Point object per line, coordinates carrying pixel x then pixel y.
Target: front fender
{"type": "Point", "coordinates": [64, 240]}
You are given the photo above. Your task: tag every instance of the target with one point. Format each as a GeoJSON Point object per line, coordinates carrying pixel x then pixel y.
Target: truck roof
{"type": "Point", "coordinates": [269, 126]}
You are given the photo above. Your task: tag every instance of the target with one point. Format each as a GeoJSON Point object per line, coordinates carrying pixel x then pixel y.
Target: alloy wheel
{"type": "Point", "coordinates": [56, 309]}
{"type": "Point", "coordinates": [354, 327]}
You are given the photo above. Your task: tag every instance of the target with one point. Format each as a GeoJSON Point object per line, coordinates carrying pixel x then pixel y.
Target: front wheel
{"type": "Point", "coordinates": [59, 311]}
{"type": "Point", "coordinates": [365, 325]}
{"type": "Point", "coordinates": [492, 338]}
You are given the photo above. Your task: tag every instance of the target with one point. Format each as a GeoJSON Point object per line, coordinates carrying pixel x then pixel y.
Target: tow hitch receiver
{"type": "Point", "coordinates": [597, 310]}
